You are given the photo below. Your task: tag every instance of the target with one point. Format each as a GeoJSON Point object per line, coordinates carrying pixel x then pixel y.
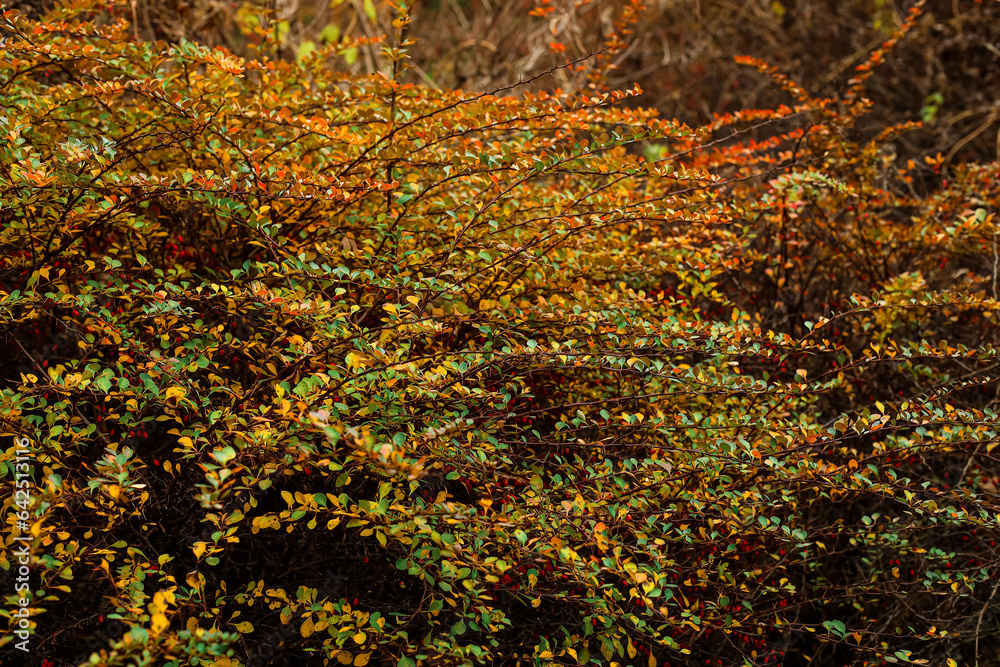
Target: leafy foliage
{"type": "Point", "coordinates": [336, 367]}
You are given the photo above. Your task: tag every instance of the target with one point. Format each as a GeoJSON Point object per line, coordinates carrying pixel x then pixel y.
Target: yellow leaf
{"type": "Point", "coordinates": [159, 623]}
{"type": "Point", "coordinates": [195, 580]}
{"type": "Point", "coordinates": [199, 549]}
{"type": "Point", "coordinates": [354, 361]}
{"type": "Point", "coordinates": [362, 659]}
{"type": "Point", "coordinates": [178, 392]}
{"type": "Point", "coordinates": [160, 600]}
{"type": "Point", "coordinates": [536, 602]}
{"type": "Point", "coordinates": [246, 627]}
{"type": "Point", "coordinates": [360, 638]}
{"type": "Point", "coordinates": [345, 658]}
{"type": "Point", "coordinates": [307, 628]}
{"type": "Point", "coordinates": [602, 541]}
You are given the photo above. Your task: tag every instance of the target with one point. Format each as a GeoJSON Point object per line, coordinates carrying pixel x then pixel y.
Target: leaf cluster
{"type": "Point", "coordinates": [327, 367]}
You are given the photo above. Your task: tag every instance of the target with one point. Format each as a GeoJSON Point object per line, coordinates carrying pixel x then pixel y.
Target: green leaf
{"type": "Point", "coordinates": [224, 455]}
{"type": "Point", "coordinates": [330, 34]}
{"type": "Point", "coordinates": [305, 49]}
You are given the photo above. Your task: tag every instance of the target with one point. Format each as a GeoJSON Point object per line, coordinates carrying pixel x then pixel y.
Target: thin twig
{"type": "Point", "coordinates": [959, 145]}
{"type": "Point", "coordinates": [979, 623]}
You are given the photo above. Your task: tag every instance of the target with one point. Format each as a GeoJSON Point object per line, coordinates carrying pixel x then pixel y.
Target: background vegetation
{"type": "Point", "coordinates": [326, 360]}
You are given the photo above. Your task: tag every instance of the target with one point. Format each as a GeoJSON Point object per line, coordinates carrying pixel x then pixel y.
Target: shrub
{"type": "Point", "coordinates": [681, 51]}
{"type": "Point", "coordinates": [320, 366]}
